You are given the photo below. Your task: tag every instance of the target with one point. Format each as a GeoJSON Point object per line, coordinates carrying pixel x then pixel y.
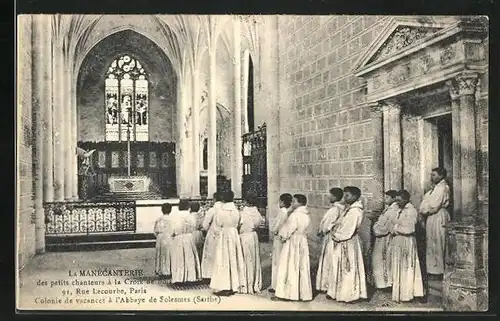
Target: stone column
{"type": "Point", "coordinates": [244, 93]}
{"type": "Point", "coordinates": [46, 88]}
{"type": "Point", "coordinates": [41, 101]}
{"type": "Point", "coordinates": [212, 122]}
{"type": "Point", "coordinates": [74, 113]}
{"type": "Point", "coordinates": [69, 146]}
{"type": "Point", "coordinates": [392, 146]}
{"type": "Point", "coordinates": [59, 119]}
{"type": "Point", "coordinates": [465, 284]}
{"type": "Point", "coordinates": [195, 129]}
{"type": "Point", "coordinates": [378, 191]}
{"type": "Point", "coordinates": [237, 171]}
{"type": "Point", "coordinates": [455, 123]}
{"type": "Point", "coordinates": [183, 148]}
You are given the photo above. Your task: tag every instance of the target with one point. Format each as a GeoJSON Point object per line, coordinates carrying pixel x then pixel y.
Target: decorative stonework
{"type": "Point", "coordinates": [447, 55]}
{"type": "Point", "coordinates": [402, 37]}
{"type": "Point", "coordinates": [465, 84]}
{"type": "Point", "coordinates": [398, 74]}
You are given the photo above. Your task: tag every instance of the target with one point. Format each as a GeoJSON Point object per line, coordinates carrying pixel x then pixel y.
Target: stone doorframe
{"type": "Point", "coordinates": [411, 54]}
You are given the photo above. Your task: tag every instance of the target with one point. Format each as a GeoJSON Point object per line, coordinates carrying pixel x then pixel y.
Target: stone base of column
{"type": "Point", "coordinates": [465, 282]}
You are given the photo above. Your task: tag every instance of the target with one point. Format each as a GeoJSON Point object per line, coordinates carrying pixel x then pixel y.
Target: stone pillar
{"type": "Point", "coordinates": [183, 148]}
{"type": "Point", "coordinates": [465, 284]}
{"type": "Point", "coordinates": [237, 171]}
{"type": "Point", "coordinates": [59, 119]}
{"type": "Point", "coordinates": [69, 146]}
{"type": "Point", "coordinates": [41, 101]}
{"type": "Point", "coordinates": [269, 95]}
{"type": "Point", "coordinates": [46, 88]}
{"type": "Point", "coordinates": [195, 129]}
{"type": "Point", "coordinates": [244, 93]}
{"type": "Point", "coordinates": [455, 123]}
{"type": "Point", "coordinates": [392, 146]}
{"type": "Point", "coordinates": [74, 113]}
{"type": "Point", "coordinates": [212, 122]}
{"type": "Point", "coordinates": [378, 191]}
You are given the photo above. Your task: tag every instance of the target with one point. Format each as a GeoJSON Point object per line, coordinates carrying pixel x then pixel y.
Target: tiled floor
{"type": "Point", "coordinates": [56, 266]}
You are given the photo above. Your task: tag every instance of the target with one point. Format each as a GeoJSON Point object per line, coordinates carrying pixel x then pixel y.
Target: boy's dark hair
{"type": "Point", "coordinates": [251, 199]}
{"type": "Point", "coordinates": [286, 199]}
{"type": "Point", "coordinates": [183, 205]}
{"type": "Point", "coordinates": [337, 192]}
{"type": "Point", "coordinates": [166, 208]}
{"type": "Point", "coordinates": [218, 196]}
{"type": "Point", "coordinates": [353, 190]}
{"type": "Point", "coordinates": [301, 198]}
{"type": "Point", "coordinates": [404, 194]}
{"type": "Point", "coordinates": [392, 193]}
{"type": "Point", "coordinates": [228, 196]}
{"type": "Point", "coordinates": [441, 171]}
{"type": "Point", "coordinates": [194, 207]}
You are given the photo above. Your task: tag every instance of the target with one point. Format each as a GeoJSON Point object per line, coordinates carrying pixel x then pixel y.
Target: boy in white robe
{"type": "Point", "coordinates": [228, 275]}
{"type": "Point", "coordinates": [285, 210]}
{"type": "Point", "coordinates": [163, 242]}
{"type": "Point", "coordinates": [406, 275]}
{"type": "Point", "coordinates": [185, 261]}
{"type": "Point", "coordinates": [434, 209]}
{"type": "Point", "coordinates": [323, 276]}
{"type": "Point", "coordinates": [294, 277]}
{"type": "Point", "coordinates": [251, 219]}
{"type": "Point", "coordinates": [381, 263]}
{"type": "Point", "coordinates": [199, 239]}
{"type": "Point", "coordinates": [211, 237]}
{"type": "Point", "coordinates": [348, 282]}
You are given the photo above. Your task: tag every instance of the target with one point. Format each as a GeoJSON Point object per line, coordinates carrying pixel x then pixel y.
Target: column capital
{"type": "Point", "coordinates": [390, 105]}
{"type": "Point", "coordinates": [463, 84]}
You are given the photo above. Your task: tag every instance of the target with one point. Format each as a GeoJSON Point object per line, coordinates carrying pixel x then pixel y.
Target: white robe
{"type": "Point", "coordinates": [250, 221]}
{"type": "Point", "coordinates": [163, 245]}
{"type": "Point", "coordinates": [210, 241]}
{"type": "Point", "coordinates": [199, 239]}
{"type": "Point", "coordinates": [185, 261]}
{"type": "Point", "coordinates": [348, 273]}
{"type": "Point", "coordinates": [434, 207]}
{"type": "Point", "coordinates": [228, 272]}
{"type": "Point", "coordinates": [323, 276]}
{"type": "Point", "coordinates": [277, 243]}
{"type": "Point", "coordinates": [294, 277]}
{"type": "Point", "coordinates": [405, 268]}
{"type": "Point", "coordinates": [381, 263]}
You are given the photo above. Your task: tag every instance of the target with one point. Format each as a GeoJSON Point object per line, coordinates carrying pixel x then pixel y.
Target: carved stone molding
{"type": "Point", "coordinates": [464, 84]}
{"type": "Point", "coordinates": [375, 108]}
{"type": "Point", "coordinates": [391, 106]}
{"type": "Point", "coordinates": [402, 37]}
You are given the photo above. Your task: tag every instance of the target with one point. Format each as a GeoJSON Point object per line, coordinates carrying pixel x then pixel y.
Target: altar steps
{"type": "Point", "coordinates": [99, 242]}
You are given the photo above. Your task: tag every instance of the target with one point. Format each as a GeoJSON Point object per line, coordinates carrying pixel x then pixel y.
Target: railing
{"type": "Point", "coordinates": [63, 218]}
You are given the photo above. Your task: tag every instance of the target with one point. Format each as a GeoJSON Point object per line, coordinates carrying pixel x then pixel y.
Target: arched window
{"type": "Point", "coordinates": [126, 90]}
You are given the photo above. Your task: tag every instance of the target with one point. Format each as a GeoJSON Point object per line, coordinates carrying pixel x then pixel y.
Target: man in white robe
{"type": "Point", "coordinates": [326, 225]}
{"type": "Point", "coordinates": [381, 263]}
{"type": "Point", "coordinates": [434, 208]}
{"type": "Point", "coordinates": [285, 210]}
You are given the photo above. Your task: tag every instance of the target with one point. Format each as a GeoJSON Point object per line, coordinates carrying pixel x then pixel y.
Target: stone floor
{"type": "Point", "coordinates": [54, 268]}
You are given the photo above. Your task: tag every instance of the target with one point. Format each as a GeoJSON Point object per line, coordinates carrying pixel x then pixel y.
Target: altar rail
{"type": "Point", "coordinates": [84, 218]}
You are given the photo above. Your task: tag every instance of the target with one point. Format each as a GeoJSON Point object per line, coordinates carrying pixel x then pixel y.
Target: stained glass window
{"type": "Point", "coordinates": [127, 97]}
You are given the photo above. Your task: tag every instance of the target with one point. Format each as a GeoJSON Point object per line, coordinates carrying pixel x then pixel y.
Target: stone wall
{"type": "Point", "coordinates": [25, 232]}
{"type": "Point", "coordinates": [326, 140]}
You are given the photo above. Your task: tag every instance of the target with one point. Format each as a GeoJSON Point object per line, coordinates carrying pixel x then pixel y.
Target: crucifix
{"type": "Point", "coordinates": [128, 149]}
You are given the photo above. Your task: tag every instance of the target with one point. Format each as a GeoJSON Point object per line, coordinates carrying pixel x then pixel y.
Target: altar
{"type": "Point", "coordinates": [129, 184]}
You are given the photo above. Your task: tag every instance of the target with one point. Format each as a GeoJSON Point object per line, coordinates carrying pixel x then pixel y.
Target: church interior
{"type": "Point", "coordinates": [118, 114]}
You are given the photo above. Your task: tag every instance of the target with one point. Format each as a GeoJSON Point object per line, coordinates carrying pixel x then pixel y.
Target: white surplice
{"type": "Point", "coordinates": [381, 257]}
{"type": "Point", "coordinates": [163, 245]}
{"type": "Point", "coordinates": [323, 276]}
{"type": "Point", "coordinates": [185, 261]}
{"type": "Point", "coordinates": [294, 277]}
{"type": "Point", "coordinates": [250, 221]}
{"type": "Point", "coordinates": [210, 241]}
{"type": "Point", "coordinates": [199, 239]}
{"type": "Point", "coordinates": [277, 243]}
{"type": "Point", "coordinates": [434, 207]}
{"type": "Point", "coordinates": [406, 275]}
{"type": "Point", "coordinates": [348, 272]}
{"type": "Point", "coordinates": [228, 270]}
